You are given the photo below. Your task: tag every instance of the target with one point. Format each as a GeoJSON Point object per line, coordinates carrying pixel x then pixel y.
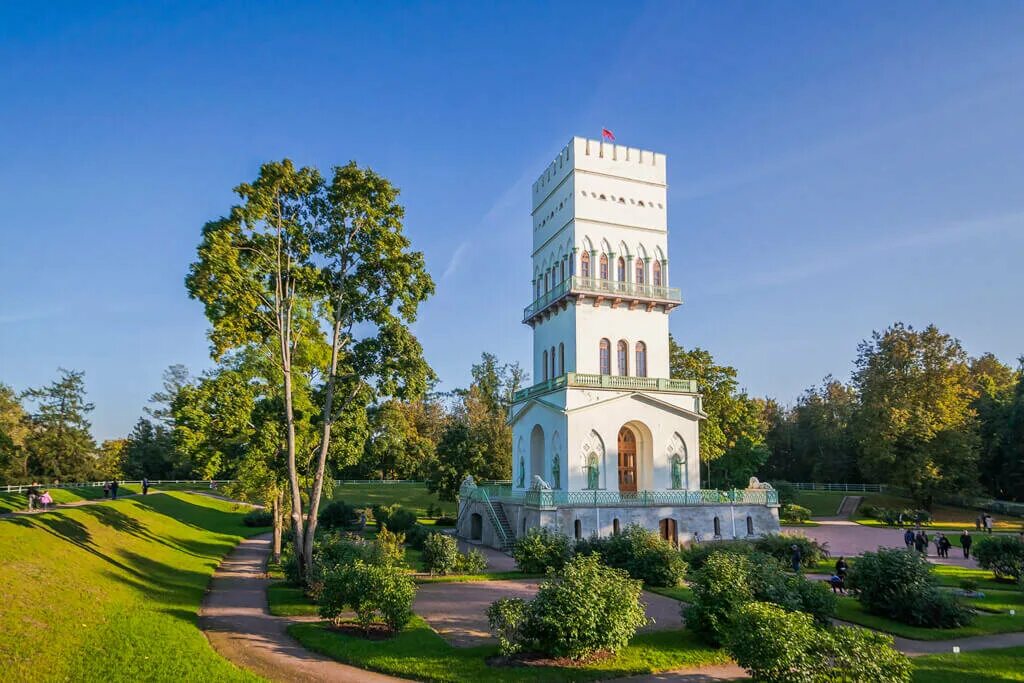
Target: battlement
{"type": "Point", "coordinates": [602, 158]}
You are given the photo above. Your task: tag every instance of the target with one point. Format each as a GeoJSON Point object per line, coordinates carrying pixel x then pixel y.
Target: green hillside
{"type": "Point", "coordinates": [111, 591]}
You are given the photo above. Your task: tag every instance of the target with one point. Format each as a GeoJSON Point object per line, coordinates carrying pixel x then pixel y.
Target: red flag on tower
{"type": "Point", "coordinates": [607, 134]}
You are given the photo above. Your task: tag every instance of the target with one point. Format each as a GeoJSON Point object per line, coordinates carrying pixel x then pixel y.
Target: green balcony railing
{"type": "Point", "coordinates": [593, 498]}
{"type": "Point", "coordinates": [579, 379]}
{"type": "Point", "coordinates": [600, 287]}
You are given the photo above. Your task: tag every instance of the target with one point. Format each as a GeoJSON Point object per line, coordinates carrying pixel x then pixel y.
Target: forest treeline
{"type": "Point", "coordinates": [918, 413]}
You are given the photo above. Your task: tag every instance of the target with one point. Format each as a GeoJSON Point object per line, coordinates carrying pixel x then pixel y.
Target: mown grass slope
{"type": "Point", "coordinates": [111, 591]}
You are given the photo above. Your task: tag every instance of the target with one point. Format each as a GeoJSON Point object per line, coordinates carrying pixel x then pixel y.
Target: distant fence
{"type": "Point", "coordinates": [20, 488]}
{"type": "Point", "coordinates": [852, 488]}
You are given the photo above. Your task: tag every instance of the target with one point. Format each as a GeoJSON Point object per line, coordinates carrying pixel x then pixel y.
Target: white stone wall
{"type": "Point", "coordinates": [553, 424]}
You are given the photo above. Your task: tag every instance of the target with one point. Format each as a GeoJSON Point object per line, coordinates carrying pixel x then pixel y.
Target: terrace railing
{"type": "Point", "coordinates": [579, 379]}
{"type": "Point", "coordinates": [600, 498]}
{"type": "Point", "coordinates": [598, 287]}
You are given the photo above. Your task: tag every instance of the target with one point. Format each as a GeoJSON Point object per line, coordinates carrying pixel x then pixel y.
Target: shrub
{"type": "Point", "coordinates": [506, 619]}
{"type": "Point", "coordinates": [900, 585]}
{"type": "Point", "coordinates": [793, 513]}
{"type": "Point", "coordinates": [338, 515]}
{"type": "Point", "coordinates": [968, 585]}
{"type": "Point", "coordinates": [585, 608]}
{"type": "Point", "coordinates": [541, 549]}
{"type": "Point", "coordinates": [772, 644]}
{"type": "Point", "coordinates": [777, 646]}
{"type": "Point", "coordinates": [388, 548]}
{"type": "Point", "coordinates": [440, 553]}
{"type": "Point", "coordinates": [394, 517]}
{"type": "Point", "coordinates": [870, 511]}
{"type": "Point", "coordinates": [787, 492]}
{"type": "Point", "coordinates": [697, 554]}
{"type": "Point", "coordinates": [729, 580]}
{"type": "Point", "coordinates": [642, 553]}
{"type": "Point", "coordinates": [374, 592]}
{"type": "Point", "coordinates": [416, 536]}
{"type": "Point", "coordinates": [444, 520]}
{"type": "Point", "coordinates": [472, 562]}
{"type": "Point", "coordinates": [1004, 555]}
{"type": "Point", "coordinates": [258, 518]}
{"type": "Point", "coordinates": [780, 546]}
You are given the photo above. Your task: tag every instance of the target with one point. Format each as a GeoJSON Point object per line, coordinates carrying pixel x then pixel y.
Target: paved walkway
{"type": "Point", "coordinates": [73, 504]}
{"type": "Point", "coordinates": [238, 624]}
{"type": "Point", "coordinates": [849, 539]}
{"type": "Point", "coordinates": [458, 611]}
{"type": "Point", "coordinates": [497, 561]}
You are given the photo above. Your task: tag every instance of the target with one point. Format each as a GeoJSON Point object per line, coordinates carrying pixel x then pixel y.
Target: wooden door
{"type": "Point", "coordinates": [627, 460]}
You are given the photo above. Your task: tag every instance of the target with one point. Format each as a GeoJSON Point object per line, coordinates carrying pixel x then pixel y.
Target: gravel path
{"type": "Point", "coordinates": [238, 624]}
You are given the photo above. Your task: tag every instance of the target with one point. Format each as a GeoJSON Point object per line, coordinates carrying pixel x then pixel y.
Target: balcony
{"type": "Point", "coordinates": [616, 291]}
{"type": "Point", "coordinates": [590, 498]}
{"type": "Point", "coordinates": [578, 379]}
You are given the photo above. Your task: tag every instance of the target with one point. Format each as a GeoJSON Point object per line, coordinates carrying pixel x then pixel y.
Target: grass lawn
{"type": "Point", "coordinates": [998, 601]}
{"type": "Point", "coordinates": [952, 575]}
{"type": "Point", "coordinates": [19, 501]}
{"type": "Point", "coordinates": [421, 654]}
{"type": "Point", "coordinates": [980, 666]}
{"type": "Point", "coordinates": [111, 591]}
{"type": "Point", "coordinates": [681, 593]}
{"type": "Point", "coordinates": [287, 600]}
{"type": "Point", "coordinates": [413, 496]}
{"type": "Point", "coordinates": [850, 609]}
{"type": "Point", "coordinates": [944, 517]}
{"type": "Point", "coordinates": [821, 503]}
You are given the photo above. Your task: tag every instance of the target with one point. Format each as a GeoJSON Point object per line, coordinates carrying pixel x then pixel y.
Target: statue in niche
{"type": "Point", "coordinates": [677, 472]}
{"type": "Point", "coordinates": [556, 471]}
{"type": "Point", "coordinates": [593, 472]}
{"type": "Point", "coordinates": [522, 472]}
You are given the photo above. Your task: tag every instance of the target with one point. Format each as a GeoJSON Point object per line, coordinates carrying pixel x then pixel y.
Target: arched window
{"type": "Point", "coordinates": [640, 370]}
{"type": "Point", "coordinates": [540, 286]}
{"type": "Point", "coordinates": [561, 358]}
{"type": "Point", "coordinates": [656, 273]}
{"type": "Point", "coordinates": [639, 271]}
{"type": "Point", "coordinates": [615, 525]}
{"type": "Point", "coordinates": [718, 528]}
{"type": "Point", "coordinates": [562, 270]}
{"type": "Point", "coordinates": [553, 375]}
{"type": "Point", "coordinates": [750, 525]}
{"type": "Point", "coordinates": [547, 280]}
{"type": "Point", "coordinates": [585, 264]}
{"type": "Point", "coordinates": [621, 271]}
{"type": "Point", "coordinates": [578, 529]}
{"type": "Point", "coordinates": [606, 357]}
{"type": "Point", "coordinates": [623, 357]}
{"type": "Point", "coordinates": [545, 365]}
{"type": "Point", "coordinates": [604, 267]}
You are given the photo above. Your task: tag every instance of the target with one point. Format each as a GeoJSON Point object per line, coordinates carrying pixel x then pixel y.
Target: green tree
{"type": "Point", "coordinates": [915, 426]}
{"type": "Point", "coordinates": [149, 452]}
{"type": "Point", "coordinates": [110, 460]}
{"type": "Point", "coordinates": [732, 437]}
{"type": "Point", "coordinates": [298, 258]}
{"type": "Point", "coordinates": [212, 422]}
{"type": "Point", "coordinates": [996, 385]}
{"type": "Point", "coordinates": [396, 449]}
{"type": "Point", "coordinates": [14, 431]}
{"type": "Point", "coordinates": [59, 444]}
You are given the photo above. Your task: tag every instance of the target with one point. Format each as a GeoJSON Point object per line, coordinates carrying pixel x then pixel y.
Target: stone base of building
{"type": "Point", "coordinates": [498, 524]}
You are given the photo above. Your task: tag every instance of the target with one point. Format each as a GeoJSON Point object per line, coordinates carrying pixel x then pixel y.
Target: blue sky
{"type": "Point", "coordinates": [833, 167]}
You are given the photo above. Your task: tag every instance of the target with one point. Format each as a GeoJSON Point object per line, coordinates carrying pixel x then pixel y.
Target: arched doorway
{"type": "Point", "coordinates": [476, 527]}
{"type": "Point", "coordinates": [627, 460]}
{"type": "Point", "coordinates": [536, 454]}
{"type": "Point", "coordinates": [669, 530]}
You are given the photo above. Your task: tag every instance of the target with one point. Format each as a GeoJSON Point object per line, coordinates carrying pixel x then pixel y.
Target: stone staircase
{"type": "Point", "coordinates": [500, 520]}
{"type": "Point", "coordinates": [848, 506]}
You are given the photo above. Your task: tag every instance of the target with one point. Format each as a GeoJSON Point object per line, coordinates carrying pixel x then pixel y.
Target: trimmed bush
{"type": "Point", "coordinates": [506, 619]}
{"type": "Point", "coordinates": [697, 554]}
{"type": "Point", "coordinates": [777, 646]}
{"type": "Point", "coordinates": [375, 592]}
{"type": "Point", "coordinates": [416, 536]}
{"type": "Point", "coordinates": [870, 511]}
{"type": "Point", "coordinates": [445, 521]}
{"type": "Point", "coordinates": [258, 518]}
{"type": "Point", "coordinates": [644, 554]}
{"type": "Point", "coordinates": [728, 580]}
{"type": "Point", "coordinates": [440, 553]}
{"type": "Point", "coordinates": [394, 517]}
{"type": "Point", "coordinates": [472, 562]}
{"type": "Point", "coordinates": [780, 546]}
{"type": "Point", "coordinates": [1004, 555]}
{"type": "Point", "coordinates": [388, 548]}
{"type": "Point", "coordinates": [794, 514]}
{"type": "Point", "coordinates": [584, 609]}
{"type": "Point", "coordinates": [901, 585]}
{"type": "Point", "coordinates": [787, 492]}
{"type": "Point", "coordinates": [540, 550]}
{"type": "Point", "coordinates": [338, 515]}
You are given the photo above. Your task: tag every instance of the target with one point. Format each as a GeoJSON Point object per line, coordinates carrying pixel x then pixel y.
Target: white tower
{"type": "Point", "coordinates": [603, 414]}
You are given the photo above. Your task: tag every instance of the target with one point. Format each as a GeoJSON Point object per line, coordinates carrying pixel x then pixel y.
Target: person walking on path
{"type": "Point", "coordinates": [977, 523]}
{"type": "Point", "coordinates": [988, 523]}
{"type": "Point", "coordinates": [145, 486]}
{"type": "Point", "coordinates": [106, 489]}
{"type": "Point", "coordinates": [795, 557]}
{"type": "Point", "coordinates": [33, 496]}
{"type": "Point", "coordinates": [908, 538]}
{"type": "Point", "coordinates": [965, 543]}
{"type": "Point", "coordinates": [113, 489]}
